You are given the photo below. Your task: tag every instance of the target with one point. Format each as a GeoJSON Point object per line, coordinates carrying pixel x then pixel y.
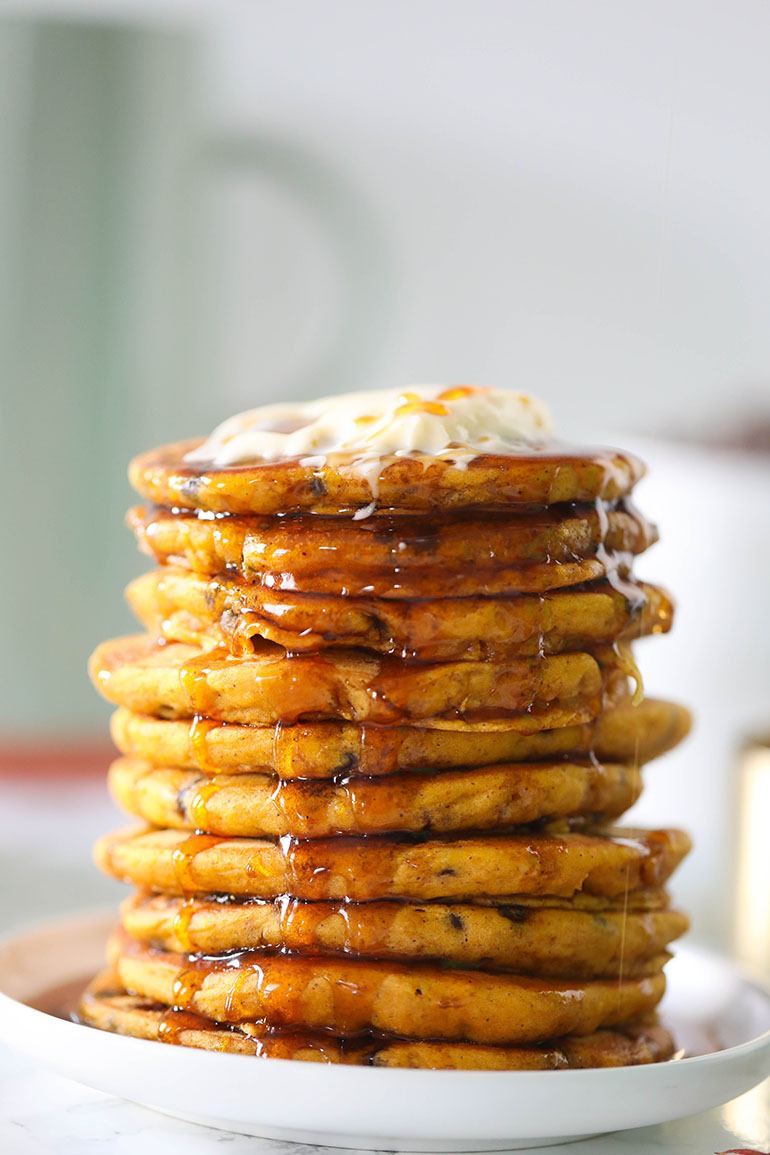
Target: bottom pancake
{"type": "Point", "coordinates": [547, 940]}
{"type": "Point", "coordinates": [348, 997]}
{"type": "Point", "coordinates": [107, 1006]}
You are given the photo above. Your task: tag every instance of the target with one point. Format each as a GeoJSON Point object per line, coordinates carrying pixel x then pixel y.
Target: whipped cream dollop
{"type": "Point", "coordinates": [456, 422]}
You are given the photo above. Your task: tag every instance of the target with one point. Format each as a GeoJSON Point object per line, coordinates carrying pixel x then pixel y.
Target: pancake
{"type": "Point", "coordinates": [407, 556]}
{"type": "Point", "coordinates": [180, 606]}
{"type": "Point", "coordinates": [268, 686]}
{"type": "Point", "coordinates": [377, 732]}
{"type": "Point", "coordinates": [522, 937]}
{"type": "Point", "coordinates": [107, 1006]}
{"type": "Point", "coordinates": [340, 484]}
{"type": "Point", "coordinates": [362, 869]}
{"type": "Point", "coordinates": [486, 539]}
{"type": "Point", "coordinates": [624, 733]}
{"type": "Point", "coordinates": [253, 805]}
{"type": "Point", "coordinates": [415, 1001]}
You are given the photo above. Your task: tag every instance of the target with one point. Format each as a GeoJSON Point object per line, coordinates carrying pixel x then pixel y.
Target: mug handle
{"type": "Point", "coordinates": [354, 231]}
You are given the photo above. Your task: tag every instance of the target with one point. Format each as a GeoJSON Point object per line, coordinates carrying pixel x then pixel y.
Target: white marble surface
{"type": "Point", "coordinates": [42, 1112]}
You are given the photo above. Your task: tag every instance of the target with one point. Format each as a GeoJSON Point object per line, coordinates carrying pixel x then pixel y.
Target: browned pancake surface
{"type": "Point", "coordinates": [269, 686]}
{"type": "Point", "coordinates": [623, 733]}
{"type": "Point", "coordinates": [529, 936]}
{"type": "Point", "coordinates": [350, 996]}
{"type": "Point", "coordinates": [402, 557]}
{"type": "Point", "coordinates": [109, 1007]}
{"type": "Point", "coordinates": [536, 478]}
{"type": "Point", "coordinates": [362, 869]}
{"type": "Point", "coordinates": [253, 805]}
{"type": "Point", "coordinates": [181, 606]}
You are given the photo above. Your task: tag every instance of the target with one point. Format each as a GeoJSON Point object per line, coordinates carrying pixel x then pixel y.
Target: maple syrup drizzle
{"type": "Point", "coordinates": [350, 804]}
{"type": "Point", "coordinates": [228, 540]}
{"type": "Point", "coordinates": [180, 1017]}
{"type": "Point", "coordinates": [173, 1024]}
{"type": "Point", "coordinates": [233, 1003]}
{"type": "Point", "coordinates": [194, 675]}
{"type": "Point", "coordinates": [360, 869]}
{"type": "Point", "coordinates": [360, 938]}
{"type": "Point", "coordinates": [185, 987]}
{"type": "Point", "coordinates": [457, 392]}
{"type": "Point", "coordinates": [282, 750]}
{"type": "Point", "coordinates": [617, 563]}
{"type": "Point", "coordinates": [200, 728]}
{"type": "Point", "coordinates": [240, 630]}
{"type": "Point", "coordinates": [196, 802]}
{"type": "Point", "coordinates": [388, 692]}
{"type": "Point", "coordinates": [274, 987]}
{"type": "Point", "coordinates": [184, 855]}
{"type": "Point", "coordinates": [181, 925]}
{"type": "Point", "coordinates": [298, 923]}
{"type": "Point", "coordinates": [378, 749]}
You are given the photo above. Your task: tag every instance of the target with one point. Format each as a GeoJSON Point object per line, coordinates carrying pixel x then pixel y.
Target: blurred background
{"type": "Point", "coordinates": [204, 207]}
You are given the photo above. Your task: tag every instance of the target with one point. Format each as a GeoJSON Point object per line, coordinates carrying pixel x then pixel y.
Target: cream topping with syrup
{"type": "Point", "coordinates": [455, 423]}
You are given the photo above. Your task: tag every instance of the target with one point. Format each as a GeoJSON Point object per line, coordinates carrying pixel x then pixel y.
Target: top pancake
{"type": "Point", "coordinates": [537, 477]}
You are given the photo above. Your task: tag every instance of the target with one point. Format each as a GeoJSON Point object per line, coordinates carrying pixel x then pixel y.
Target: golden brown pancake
{"type": "Point", "coordinates": [482, 539]}
{"type": "Point", "coordinates": [361, 869]}
{"type": "Point", "coordinates": [536, 478]}
{"type": "Point", "coordinates": [414, 1001]}
{"type": "Point", "coordinates": [635, 734]}
{"type": "Point", "coordinates": [181, 606]}
{"type": "Point", "coordinates": [107, 1006]}
{"type": "Point", "coordinates": [254, 805]}
{"type": "Point", "coordinates": [269, 686]}
{"type": "Point", "coordinates": [402, 557]}
{"type": "Point", "coordinates": [553, 940]}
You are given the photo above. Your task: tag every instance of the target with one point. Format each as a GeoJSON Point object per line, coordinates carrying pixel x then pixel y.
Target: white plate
{"type": "Point", "coordinates": [713, 1008]}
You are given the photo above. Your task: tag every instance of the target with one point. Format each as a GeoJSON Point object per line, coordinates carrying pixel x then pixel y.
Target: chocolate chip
{"type": "Point", "coordinates": [348, 765]}
{"type": "Point", "coordinates": [515, 913]}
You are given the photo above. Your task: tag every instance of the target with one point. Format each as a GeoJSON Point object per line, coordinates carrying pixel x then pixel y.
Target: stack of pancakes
{"type": "Point", "coordinates": [379, 748]}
